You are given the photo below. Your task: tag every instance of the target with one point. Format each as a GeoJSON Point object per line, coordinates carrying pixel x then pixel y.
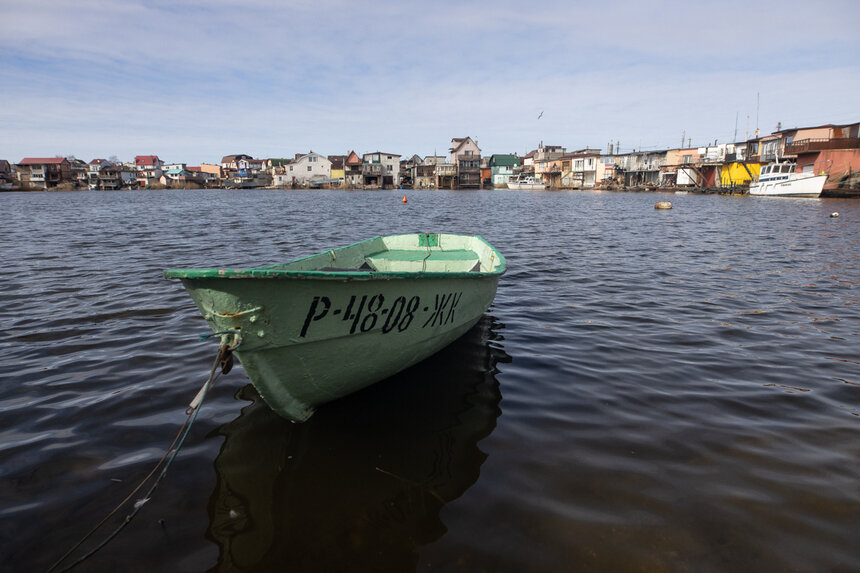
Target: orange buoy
{"type": "Point", "coordinates": [404, 199]}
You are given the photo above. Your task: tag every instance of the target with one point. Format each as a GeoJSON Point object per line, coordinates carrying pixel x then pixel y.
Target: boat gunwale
{"type": "Point", "coordinates": [269, 272]}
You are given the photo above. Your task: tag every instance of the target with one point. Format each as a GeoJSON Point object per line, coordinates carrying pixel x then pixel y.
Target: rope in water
{"type": "Point", "coordinates": [222, 358]}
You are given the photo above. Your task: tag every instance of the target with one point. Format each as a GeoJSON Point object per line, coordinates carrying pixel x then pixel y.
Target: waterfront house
{"type": "Point", "coordinates": [765, 149]}
{"type": "Point", "coordinates": [282, 180]}
{"type": "Point", "coordinates": [684, 162]}
{"type": "Point", "coordinates": [528, 162]}
{"type": "Point", "coordinates": [446, 176]}
{"type": "Point", "coordinates": [713, 159]}
{"type": "Point", "coordinates": [607, 168]}
{"type": "Point", "coordinates": [549, 170]}
{"type": "Point", "coordinates": [127, 176]}
{"type": "Point", "coordinates": [205, 178]}
{"type": "Point", "coordinates": [44, 172]}
{"type": "Point", "coordinates": [407, 170]}
{"type": "Point", "coordinates": [279, 170]}
{"type": "Point", "coordinates": [544, 166]}
{"type": "Point", "coordinates": [581, 169]}
{"type": "Point", "coordinates": [502, 168]}
{"type": "Point", "coordinates": [79, 171]}
{"type": "Point", "coordinates": [110, 177]}
{"type": "Point", "coordinates": [250, 165]}
{"type": "Point", "coordinates": [308, 168]}
{"type": "Point", "coordinates": [640, 168]}
{"type": "Point", "coordinates": [278, 166]}
{"type": "Point", "coordinates": [353, 170]}
{"type": "Point", "coordinates": [486, 172]}
{"type": "Point", "coordinates": [94, 171]}
{"type": "Point", "coordinates": [830, 149]}
{"type": "Point", "coordinates": [5, 175]}
{"type": "Point", "coordinates": [337, 166]}
{"type": "Point", "coordinates": [214, 173]}
{"type": "Point", "coordinates": [736, 170]}
{"type": "Point", "coordinates": [424, 173]}
{"type": "Point", "coordinates": [104, 174]}
{"type": "Point", "coordinates": [466, 156]}
{"type": "Point", "coordinates": [175, 175]}
{"type": "Point", "coordinates": [149, 170]}
{"type": "Point", "coordinates": [230, 164]}
{"type": "Point", "coordinates": [146, 162]}
{"type": "Point", "coordinates": [381, 169]}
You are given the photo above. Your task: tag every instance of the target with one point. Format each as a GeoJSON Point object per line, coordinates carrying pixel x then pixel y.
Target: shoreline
{"type": "Point", "coordinates": [848, 193]}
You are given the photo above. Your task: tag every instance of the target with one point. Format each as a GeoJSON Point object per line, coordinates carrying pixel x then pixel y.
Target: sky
{"type": "Point", "coordinates": [193, 80]}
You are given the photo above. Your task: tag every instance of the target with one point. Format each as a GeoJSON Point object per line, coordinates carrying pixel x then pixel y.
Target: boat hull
{"type": "Point", "coordinates": [310, 337]}
{"type": "Point", "coordinates": [521, 186]}
{"type": "Point", "coordinates": [810, 186]}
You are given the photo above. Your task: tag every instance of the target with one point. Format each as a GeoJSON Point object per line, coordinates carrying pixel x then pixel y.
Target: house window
{"type": "Point", "coordinates": [388, 167]}
{"type": "Point", "coordinates": [310, 168]}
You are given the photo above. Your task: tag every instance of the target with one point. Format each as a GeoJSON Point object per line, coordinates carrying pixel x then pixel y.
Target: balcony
{"type": "Point", "coordinates": [821, 144]}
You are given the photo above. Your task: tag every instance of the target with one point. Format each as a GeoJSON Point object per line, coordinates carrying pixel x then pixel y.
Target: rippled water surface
{"type": "Point", "coordinates": [651, 391]}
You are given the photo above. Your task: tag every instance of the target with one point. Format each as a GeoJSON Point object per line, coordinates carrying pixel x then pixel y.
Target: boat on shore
{"type": "Point", "coordinates": [781, 179]}
{"type": "Point", "coordinates": [526, 184]}
{"type": "Point", "coordinates": [325, 326]}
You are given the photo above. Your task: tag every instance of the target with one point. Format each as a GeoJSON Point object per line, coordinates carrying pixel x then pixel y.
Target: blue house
{"type": "Point", "coordinates": [502, 168]}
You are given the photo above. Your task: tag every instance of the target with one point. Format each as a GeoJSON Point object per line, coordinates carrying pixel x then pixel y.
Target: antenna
{"type": "Point", "coordinates": [736, 128]}
{"type": "Point", "coordinates": [756, 112]}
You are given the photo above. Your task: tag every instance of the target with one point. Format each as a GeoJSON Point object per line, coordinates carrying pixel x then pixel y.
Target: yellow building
{"type": "Point", "coordinates": [337, 161]}
{"type": "Point", "coordinates": [738, 173]}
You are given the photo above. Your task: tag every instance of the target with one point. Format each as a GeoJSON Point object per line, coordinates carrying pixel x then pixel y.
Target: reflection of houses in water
{"type": "Point", "coordinates": [361, 484]}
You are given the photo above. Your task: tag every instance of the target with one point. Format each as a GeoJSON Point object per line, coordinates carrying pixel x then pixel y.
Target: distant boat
{"type": "Point", "coordinates": [781, 179]}
{"type": "Point", "coordinates": [319, 328]}
{"type": "Point", "coordinates": [526, 184]}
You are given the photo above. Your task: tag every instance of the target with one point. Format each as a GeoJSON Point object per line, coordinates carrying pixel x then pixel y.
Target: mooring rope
{"type": "Point", "coordinates": [222, 358]}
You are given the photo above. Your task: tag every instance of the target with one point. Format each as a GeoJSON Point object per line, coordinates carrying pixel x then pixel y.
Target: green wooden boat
{"type": "Point", "coordinates": [321, 327]}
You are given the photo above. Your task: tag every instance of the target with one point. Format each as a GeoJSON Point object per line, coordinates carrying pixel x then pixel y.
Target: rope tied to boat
{"type": "Point", "coordinates": [230, 340]}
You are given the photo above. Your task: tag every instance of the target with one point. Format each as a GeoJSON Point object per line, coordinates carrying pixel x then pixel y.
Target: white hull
{"type": "Point", "coordinates": [795, 185]}
{"type": "Point", "coordinates": [528, 184]}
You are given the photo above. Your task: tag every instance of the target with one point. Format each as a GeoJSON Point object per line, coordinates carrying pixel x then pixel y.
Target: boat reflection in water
{"type": "Point", "coordinates": [360, 485]}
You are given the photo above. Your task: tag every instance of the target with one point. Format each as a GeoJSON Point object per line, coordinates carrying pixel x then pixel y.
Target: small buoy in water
{"type": "Point", "coordinates": [404, 199]}
{"type": "Point", "coordinates": [834, 215]}
{"type": "Point", "coordinates": [663, 205]}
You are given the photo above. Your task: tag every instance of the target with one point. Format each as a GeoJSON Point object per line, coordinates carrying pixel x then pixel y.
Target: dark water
{"type": "Point", "coordinates": [651, 391]}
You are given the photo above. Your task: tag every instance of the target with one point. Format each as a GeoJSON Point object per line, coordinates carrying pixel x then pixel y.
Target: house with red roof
{"type": "Point", "coordinates": [149, 170]}
{"type": "Point", "coordinates": [352, 169]}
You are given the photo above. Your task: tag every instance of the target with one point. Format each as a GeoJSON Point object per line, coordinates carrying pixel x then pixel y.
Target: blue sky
{"type": "Point", "coordinates": [195, 80]}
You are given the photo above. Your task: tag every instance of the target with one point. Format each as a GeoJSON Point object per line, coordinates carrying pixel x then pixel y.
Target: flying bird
{"type": "Point", "coordinates": [541, 115]}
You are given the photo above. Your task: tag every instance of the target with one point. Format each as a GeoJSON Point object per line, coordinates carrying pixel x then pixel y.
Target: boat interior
{"type": "Point", "coordinates": [402, 253]}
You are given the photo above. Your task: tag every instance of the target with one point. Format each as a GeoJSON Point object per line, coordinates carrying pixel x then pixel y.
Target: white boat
{"type": "Point", "coordinates": [526, 184]}
{"type": "Point", "coordinates": [782, 180]}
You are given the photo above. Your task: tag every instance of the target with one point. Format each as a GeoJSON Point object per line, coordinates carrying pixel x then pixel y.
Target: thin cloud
{"type": "Point", "coordinates": [194, 80]}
